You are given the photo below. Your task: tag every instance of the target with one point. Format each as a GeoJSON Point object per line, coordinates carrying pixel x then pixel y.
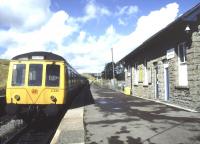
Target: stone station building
{"type": "Point", "coordinates": [166, 67]}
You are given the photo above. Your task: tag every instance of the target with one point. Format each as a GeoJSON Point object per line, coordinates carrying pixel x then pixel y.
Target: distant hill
{"type": "Point", "coordinates": [89, 76]}
{"type": "Point", "coordinates": [3, 72]}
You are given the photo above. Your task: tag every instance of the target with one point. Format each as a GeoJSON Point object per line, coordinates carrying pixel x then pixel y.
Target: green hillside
{"type": "Point", "coordinates": [89, 77]}
{"type": "Point", "coordinates": [3, 72]}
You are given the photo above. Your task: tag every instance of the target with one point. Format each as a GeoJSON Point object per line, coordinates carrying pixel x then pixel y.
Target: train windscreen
{"type": "Point", "coordinates": [18, 74]}
{"type": "Point", "coordinates": [52, 75]}
{"type": "Point", "coordinates": [35, 75]}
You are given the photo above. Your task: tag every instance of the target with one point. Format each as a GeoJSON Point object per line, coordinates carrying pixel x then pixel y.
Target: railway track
{"type": "Point", "coordinates": [36, 132]}
{"type": "Point", "coordinates": [8, 126]}
{"type": "Point", "coordinates": [16, 131]}
{"type": "Point", "coordinates": [40, 132]}
{"type": "Point", "coordinates": [4, 119]}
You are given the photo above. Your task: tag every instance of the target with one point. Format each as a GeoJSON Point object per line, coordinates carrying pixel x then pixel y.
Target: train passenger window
{"type": "Point", "coordinates": [72, 78]}
{"type": "Point", "coordinates": [18, 74]}
{"type": "Point", "coordinates": [69, 77]}
{"type": "Point", "coordinates": [35, 75]}
{"type": "Point", "coordinates": [52, 75]}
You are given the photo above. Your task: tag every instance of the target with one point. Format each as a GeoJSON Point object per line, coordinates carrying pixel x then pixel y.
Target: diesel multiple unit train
{"type": "Point", "coordinates": [40, 83]}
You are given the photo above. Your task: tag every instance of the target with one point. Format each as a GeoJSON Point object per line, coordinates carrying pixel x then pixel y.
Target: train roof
{"type": "Point", "coordinates": [41, 55]}
{"type": "Point", "coordinates": [38, 55]}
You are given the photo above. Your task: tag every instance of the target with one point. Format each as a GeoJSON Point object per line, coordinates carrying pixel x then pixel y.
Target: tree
{"type": "Point", "coordinates": [103, 74]}
{"type": "Point", "coordinates": [120, 74]}
{"type": "Point", "coordinates": [108, 71]}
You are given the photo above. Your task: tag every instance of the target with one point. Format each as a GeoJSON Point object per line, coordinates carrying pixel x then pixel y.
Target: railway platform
{"type": "Point", "coordinates": [71, 128]}
{"type": "Point", "coordinates": [115, 118]}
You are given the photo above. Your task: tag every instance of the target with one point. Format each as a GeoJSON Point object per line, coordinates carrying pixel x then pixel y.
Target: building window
{"type": "Point", "coordinates": [140, 73]}
{"type": "Point", "coordinates": [129, 71]}
{"type": "Point", "coordinates": [136, 74]}
{"type": "Point", "coordinates": [132, 73]}
{"type": "Point", "coordinates": [182, 52]}
{"type": "Point", "coordinates": [182, 65]}
{"type": "Point", "coordinates": [145, 73]}
{"type": "Point", "coordinates": [149, 75]}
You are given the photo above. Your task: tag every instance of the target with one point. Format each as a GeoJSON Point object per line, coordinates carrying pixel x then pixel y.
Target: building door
{"type": "Point", "coordinates": [166, 81]}
{"type": "Point", "coordinates": [156, 86]}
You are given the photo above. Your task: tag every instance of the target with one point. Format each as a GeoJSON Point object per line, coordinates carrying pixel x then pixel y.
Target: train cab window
{"type": "Point", "coordinates": [18, 74]}
{"type": "Point", "coordinates": [35, 75]}
{"type": "Point", "coordinates": [52, 75]}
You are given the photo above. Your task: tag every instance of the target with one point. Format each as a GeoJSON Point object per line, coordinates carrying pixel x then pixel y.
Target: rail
{"type": "Point", "coordinates": [34, 132]}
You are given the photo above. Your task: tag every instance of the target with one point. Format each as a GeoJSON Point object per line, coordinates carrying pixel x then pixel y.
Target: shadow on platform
{"type": "Point", "coordinates": [84, 98]}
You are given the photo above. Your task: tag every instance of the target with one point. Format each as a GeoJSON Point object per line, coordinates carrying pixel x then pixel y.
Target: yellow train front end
{"type": "Point", "coordinates": [36, 87]}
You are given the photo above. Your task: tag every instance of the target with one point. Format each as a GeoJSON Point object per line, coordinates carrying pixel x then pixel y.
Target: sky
{"type": "Point", "coordinates": [84, 31]}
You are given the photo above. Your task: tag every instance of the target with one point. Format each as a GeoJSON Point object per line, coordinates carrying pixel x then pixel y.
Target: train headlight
{"type": "Point", "coordinates": [17, 97]}
{"type": "Point", "coordinates": [53, 98]}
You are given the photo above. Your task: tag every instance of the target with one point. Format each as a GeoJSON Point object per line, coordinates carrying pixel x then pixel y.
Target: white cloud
{"type": "Point", "coordinates": [54, 31]}
{"type": "Point", "coordinates": [82, 36]}
{"type": "Point", "coordinates": [125, 13]}
{"type": "Point", "coordinates": [92, 53]}
{"type": "Point", "coordinates": [85, 51]}
{"type": "Point", "coordinates": [104, 11]}
{"type": "Point", "coordinates": [146, 27]}
{"type": "Point", "coordinates": [23, 14]}
{"type": "Point", "coordinates": [132, 10]}
{"type": "Point", "coordinates": [92, 11]}
{"type": "Point", "coordinates": [121, 22]}
{"type": "Point", "coordinates": [127, 10]}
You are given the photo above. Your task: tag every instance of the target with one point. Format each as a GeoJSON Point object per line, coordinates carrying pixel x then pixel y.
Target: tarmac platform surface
{"type": "Point", "coordinates": [114, 118]}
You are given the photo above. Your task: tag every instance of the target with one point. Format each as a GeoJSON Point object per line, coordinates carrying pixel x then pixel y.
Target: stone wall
{"type": "Point", "coordinates": [189, 96]}
{"type": "Point", "coordinates": [195, 69]}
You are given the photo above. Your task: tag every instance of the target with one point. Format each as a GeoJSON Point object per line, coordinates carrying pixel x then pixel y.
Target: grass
{"type": "Point", "coordinates": [3, 72]}
{"type": "Point", "coordinates": [89, 77]}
